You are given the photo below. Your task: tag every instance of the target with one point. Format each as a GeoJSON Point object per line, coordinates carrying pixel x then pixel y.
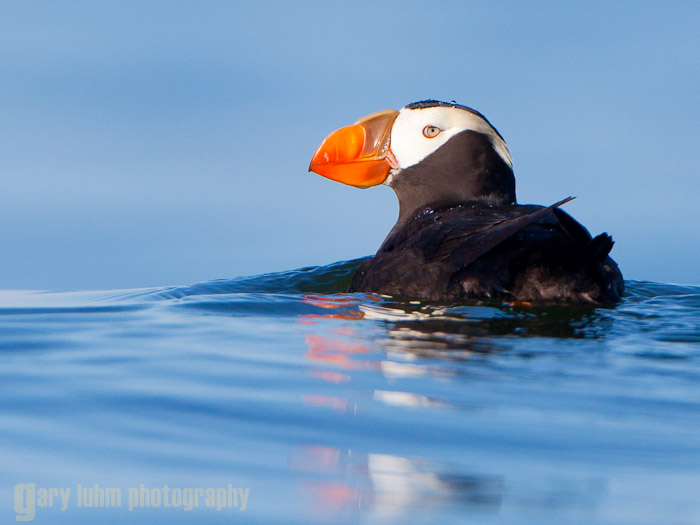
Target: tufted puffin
{"type": "Point", "coordinates": [460, 232]}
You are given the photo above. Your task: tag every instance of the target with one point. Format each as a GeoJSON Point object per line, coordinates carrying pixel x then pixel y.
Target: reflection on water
{"type": "Point", "coordinates": [387, 486]}
{"type": "Point", "coordinates": [414, 335]}
{"type": "Point", "coordinates": [335, 407]}
{"type": "Point", "coordinates": [407, 399]}
{"type": "Point", "coordinates": [454, 331]}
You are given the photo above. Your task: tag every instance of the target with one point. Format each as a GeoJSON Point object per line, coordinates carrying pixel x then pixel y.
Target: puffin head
{"type": "Point", "coordinates": [432, 154]}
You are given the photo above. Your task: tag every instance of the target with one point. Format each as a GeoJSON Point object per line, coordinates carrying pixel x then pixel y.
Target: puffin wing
{"type": "Point", "coordinates": [576, 231]}
{"type": "Point", "coordinates": [466, 241]}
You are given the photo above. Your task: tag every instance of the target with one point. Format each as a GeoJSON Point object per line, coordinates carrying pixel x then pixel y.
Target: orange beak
{"type": "Point", "coordinates": [358, 155]}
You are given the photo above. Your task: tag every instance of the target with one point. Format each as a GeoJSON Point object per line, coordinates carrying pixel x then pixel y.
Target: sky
{"type": "Point", "coordinates": [166, 143]}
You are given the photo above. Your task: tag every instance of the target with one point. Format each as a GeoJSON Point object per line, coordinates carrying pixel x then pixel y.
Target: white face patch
{"type": "Point", "coordinates": [410, 145]}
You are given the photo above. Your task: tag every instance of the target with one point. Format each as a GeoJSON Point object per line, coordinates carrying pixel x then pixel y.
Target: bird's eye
{"type": "Point", "coordinates": [430, 132]}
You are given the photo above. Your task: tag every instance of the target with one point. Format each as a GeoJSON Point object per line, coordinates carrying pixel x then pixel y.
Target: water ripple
{"type": "Point", "coordinates": [356, 407]}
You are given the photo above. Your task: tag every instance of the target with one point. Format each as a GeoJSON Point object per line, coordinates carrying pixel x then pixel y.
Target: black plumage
{"type": "Point", "coordinates": [511, 252]}
{"type": "Point", "coordinates": [461, 234]}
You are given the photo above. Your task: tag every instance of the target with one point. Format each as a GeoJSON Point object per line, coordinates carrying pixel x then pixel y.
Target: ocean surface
{"type": "Point", "coordinates": [280, 399]}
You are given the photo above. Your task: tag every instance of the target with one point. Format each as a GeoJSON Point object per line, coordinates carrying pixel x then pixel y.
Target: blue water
{"type": "Point", "coordinates": [331, 407]}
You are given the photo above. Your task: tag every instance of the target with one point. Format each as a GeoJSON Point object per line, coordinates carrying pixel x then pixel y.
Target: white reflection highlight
{"type": "Point", "coordinates": [384, 313]}
{"type": "Point", "coordinates": [406, 399]}
{"type": "Point", "coordinates": [396, 369]}
{"type": "Point", "coordinates": [401, 482]}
